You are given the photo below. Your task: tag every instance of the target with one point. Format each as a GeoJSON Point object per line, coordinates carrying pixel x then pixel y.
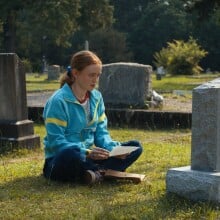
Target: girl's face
{"type": "Point", "coordinates": [88, 77]}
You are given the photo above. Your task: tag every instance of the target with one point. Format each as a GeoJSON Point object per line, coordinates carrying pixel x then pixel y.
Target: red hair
{"type": "Point", "coordinates": [79, 61]}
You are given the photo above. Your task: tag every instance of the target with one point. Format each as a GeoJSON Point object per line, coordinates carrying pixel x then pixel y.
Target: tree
{"type": "Point", "coordinates": [160, 22]}
{"type": "Point", "coordinates": [55, 19]}
{"type": "Point", "coordinates": [8, 15]}
{"type": "Point", "coordinates": [204, 7]}
{"type": "Point", "coordinates": [110, 45]}
{"type": "Point", "coordinates": [51, 32]}
{"type": "Point", "coordinates": [127, 13]}
{"type": "Point", "coordinates": [206, 28]}
{"type": "Point", "coordinates": [207, 33]}
{"type": "Point", "coordinates": [47, 26]}
{"type": "Point", "coordinates": [95, 15]}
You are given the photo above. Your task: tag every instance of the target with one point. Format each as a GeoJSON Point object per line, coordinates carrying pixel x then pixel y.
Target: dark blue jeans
{"type": "Point", "coordinates": [67, 165]}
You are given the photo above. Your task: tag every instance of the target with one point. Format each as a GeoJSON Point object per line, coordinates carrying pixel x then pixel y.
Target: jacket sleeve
{"type": "Point", "coordinates": [56, 117]}
{"type": "Point", "coordinates": [102, 136]}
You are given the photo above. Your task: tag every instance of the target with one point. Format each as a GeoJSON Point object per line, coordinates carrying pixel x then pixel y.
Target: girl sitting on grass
{"type": "Point", "coordinates": [77, 142]}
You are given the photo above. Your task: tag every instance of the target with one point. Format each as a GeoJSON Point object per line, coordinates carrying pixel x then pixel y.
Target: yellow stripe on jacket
{"type": "Point", "coordinates": [56, 121]}
{"type": "Point", "coordinates": [102, 117]}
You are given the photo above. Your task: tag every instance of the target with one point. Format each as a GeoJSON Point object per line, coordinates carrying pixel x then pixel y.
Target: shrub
{"type": "Point", "coordinates": [27, 65]}
{"type": "Point", "coordinates": [181, 57]}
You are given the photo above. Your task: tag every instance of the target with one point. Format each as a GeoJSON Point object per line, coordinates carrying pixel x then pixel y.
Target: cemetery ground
{"type": "Point", "coordinates": [25, 194]}
{"type": "Point", "coordinates": [175, 90]}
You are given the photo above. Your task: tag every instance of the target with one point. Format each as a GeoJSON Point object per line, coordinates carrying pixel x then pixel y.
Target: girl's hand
{"type": "Point", "coordinates": [98, 154]}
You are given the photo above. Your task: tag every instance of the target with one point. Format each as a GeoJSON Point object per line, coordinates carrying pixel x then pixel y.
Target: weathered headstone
{"type": "Point", "coordinates": [160, 72]}
{"type": "Point", "coordinates": [86, 45]}
{"type": "Point", "coordinates": [15, 128]}
{"type": "Point", "coordinates": [53, 72]}
{"type": "Point", "coordinates": [125, 84]}
{"type": "Point", "coordinates": [201, 181]}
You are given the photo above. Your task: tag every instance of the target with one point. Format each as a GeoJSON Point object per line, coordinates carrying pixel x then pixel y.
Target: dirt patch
{"type": "Point", "coordinates": [177, 104]}
{"type": "Point", "coordinates": [171, 102]}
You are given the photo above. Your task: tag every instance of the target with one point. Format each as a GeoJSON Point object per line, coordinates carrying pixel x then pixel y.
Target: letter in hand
{"type": "Point", "coordinates": [98, 154]}
{"type": "Point", "coordinates": [121, 152]}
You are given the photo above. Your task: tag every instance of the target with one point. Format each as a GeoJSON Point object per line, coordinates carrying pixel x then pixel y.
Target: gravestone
{"type": "Point", "coordinates": [15, 128]}
{"type": "Point", "coordinates": [201, 180]}
{"type": "Point", "coordinates": [125, 84]}
{"type": "Point", "coordinates": [53, 72]}
{"type": "Point", "coordinates": [160, 72]}
{"type": "Point", "coordinates": [86, 45]}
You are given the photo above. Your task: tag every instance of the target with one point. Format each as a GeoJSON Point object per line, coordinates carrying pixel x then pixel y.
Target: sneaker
{"type": "Point", "coordinates": [92, 177]}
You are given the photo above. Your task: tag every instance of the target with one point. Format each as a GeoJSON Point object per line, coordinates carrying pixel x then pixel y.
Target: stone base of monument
{"type": "Point", "coordinates": [18, 134]}
{"type": "Point", "coordinates": [194, 185]}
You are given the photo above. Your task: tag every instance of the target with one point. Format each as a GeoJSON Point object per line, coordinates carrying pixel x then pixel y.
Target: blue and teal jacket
{"type": "Point", "coordinates": [67, 126]}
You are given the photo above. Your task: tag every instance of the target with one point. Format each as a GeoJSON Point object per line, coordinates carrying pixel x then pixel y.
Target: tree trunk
{"type": "Point", "coordinates": [10, 33]}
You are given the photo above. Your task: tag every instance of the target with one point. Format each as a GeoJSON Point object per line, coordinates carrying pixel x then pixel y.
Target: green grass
{"type": "Point", "coordinates": [183, 82]}
{"type": "Point", "coordinates": [25, 194]}
{"type": "Point", "coordinates": [39, 82]}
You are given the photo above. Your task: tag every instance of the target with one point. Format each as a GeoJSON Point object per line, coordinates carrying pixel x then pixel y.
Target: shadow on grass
{"type": "Point", "coordinates": [41, 185]}
{"type": "Point", "coordinates": [118, 199]}
{"type": "Point", "coordinates": [168, 206]}
{"type": "Point", "coordinates": [186, 208]}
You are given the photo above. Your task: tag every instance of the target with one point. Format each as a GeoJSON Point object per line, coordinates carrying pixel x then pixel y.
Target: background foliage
{"type": "Point", "coordinates": [180, 57]}
{"type": "Point", "coordinates": [117, 30]}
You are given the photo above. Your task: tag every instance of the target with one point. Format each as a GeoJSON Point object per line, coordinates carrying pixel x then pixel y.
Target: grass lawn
{"type": "Point", "coordinates": [182, 82]}
{"type": "Point", "coordinates": [25, 194]}
{"type": "Point", "coordinates": [39, 82]}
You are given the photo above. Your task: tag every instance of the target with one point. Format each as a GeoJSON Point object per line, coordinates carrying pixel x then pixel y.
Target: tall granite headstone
{"type": "Point", "coordinates": [125, 84]}
{"type": "Point", "coordinates": [15, 128]}
{"type": "Point", "coordinates": [201, 180]}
